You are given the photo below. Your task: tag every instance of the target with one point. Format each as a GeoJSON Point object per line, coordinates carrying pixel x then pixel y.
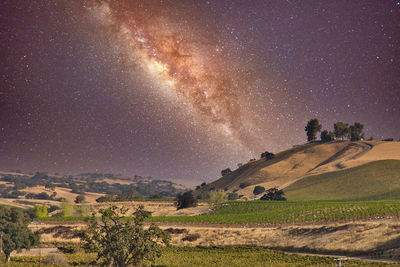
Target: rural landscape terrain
{"type": "Point", "coordinates": [203, 133]}
{"type": "Point", "coordinates": [342, 199]}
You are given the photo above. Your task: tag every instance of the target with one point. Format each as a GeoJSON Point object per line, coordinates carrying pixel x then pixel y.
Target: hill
{"type": "Point", "coordinates": [311, 159]}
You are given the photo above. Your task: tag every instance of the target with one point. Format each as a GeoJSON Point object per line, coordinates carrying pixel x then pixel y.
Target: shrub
{"type": "Point", "coordinates": [66, 208]}
{"type": "Point", "coordinates": [226, 172]}
{"type": "Point", "coordinates": [267, 155]}
{"type": "Point", "coordinates": [258, 190]}
{"type": "Point", "coordinates": [185, 200]}
{"type": "Point", "coordinates": [273, 194]}
{"type": "Point", "coordinates": [217, 198]}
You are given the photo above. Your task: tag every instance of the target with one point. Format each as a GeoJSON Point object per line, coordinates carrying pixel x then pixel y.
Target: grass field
{"type": "Point", "coordinates": [372, 181]}
{"type": "Point", "coordinates": [277, 212]}
{"type": "Point", "coordinates": [214, 256]}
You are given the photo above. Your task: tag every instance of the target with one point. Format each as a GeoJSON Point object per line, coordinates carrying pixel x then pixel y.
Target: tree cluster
{"type": "Point", "coordinates": [341, 131]}
{"type": "Point", "coordinates": [273, 194]}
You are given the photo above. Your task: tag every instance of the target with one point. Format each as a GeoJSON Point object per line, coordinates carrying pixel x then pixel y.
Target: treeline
{"type": "Point", "coordinates": [342, 131]}
{"type": "Point", "coordinates": [143, 186]}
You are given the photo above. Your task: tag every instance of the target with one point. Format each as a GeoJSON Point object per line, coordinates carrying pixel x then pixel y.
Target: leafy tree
{"type": "Point", "coordinates": [226, 171]}
{"type": "Point", "coordinates": [356, 133]}
{"type": "Point", "coordinates": [121, 243]}
{"type": "Point", "coordinates": [244, 185]}
{"type": "Point", "coordinates": [312, 128]}
{"type": "Point", "coordinates": [258, 190]}
{"type": "Point", "coordinates": [41, 211]}
{"type": "Point", "coordinates": [327, 136]}
{"type": "Point", "coordinates": [217, 198]}
{"type": "Point", "coordinates": [341, 130]}
{"type": "Point", "coordinates": [66, 208]}
{"type": "Point", "coordinates": [79, 199]}
{"type": "Point", "coordinates": [273, 194]}
{"type": "Point", "coordinates": [16, 233]}
{"type": "Point", "coordinates": [185, 200]}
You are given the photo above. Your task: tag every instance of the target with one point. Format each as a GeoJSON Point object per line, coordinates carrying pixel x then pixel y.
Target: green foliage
{"type": "Point", "coordinates": [66, 208]}
{"type": "Point", "coordinates": [312, 128]}
{"type": "Point", "coordinates": [273, 194]}
{"type": "Point", "coordinates": [258, 190]}
{"type": "Point", "coordinates": [41, 211]}
{"type": "Point", "coordinates": [16, 233]}
{"type": "Point", "coordinates": [217, 198]}
{"type": "Point", "coordinates": [121, 242]}
{"type": "Point", "coordinates": [278, 212]}
{"type": "Point", "coordinates": [371, 181]}
{"type": "Point", "coordinates": [356, 133]}
{"type": "Point", "coordinates": [82, 210]}
{"type": "Point", "coordinates": [327, 136]}
{"type": "Point", "coordinates": [80, 199]}
{"type": "Point", "coordinates": [341, 130]}
{"type": "Point", "coordinates": [185, 200]}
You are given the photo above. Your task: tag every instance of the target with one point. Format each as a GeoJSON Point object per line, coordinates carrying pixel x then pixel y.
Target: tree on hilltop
{"type": "Point", "coordinates": [356, 133]}
{"type": "Point", "coordinates": [341, 130]}
{"type": "Point", "coordinates": [327, 136]}
{"type": "Point", "coordinates": [312, 128]}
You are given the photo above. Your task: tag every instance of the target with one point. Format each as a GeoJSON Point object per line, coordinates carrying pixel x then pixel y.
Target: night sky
{"type": "Point", "coordinates": [183, 89]}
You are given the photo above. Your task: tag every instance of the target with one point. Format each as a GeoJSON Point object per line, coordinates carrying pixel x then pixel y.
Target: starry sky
{"type": "Point", "coordinates": [183, 89]}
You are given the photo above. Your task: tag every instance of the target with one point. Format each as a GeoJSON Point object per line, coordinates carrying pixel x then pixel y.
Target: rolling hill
{"type": "Point", "coordinates": [305, 170]}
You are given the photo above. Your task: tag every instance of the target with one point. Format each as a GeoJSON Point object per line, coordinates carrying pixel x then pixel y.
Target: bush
{"type": "Point", "coordinates": [217, 198]}
{"type": "Point", "coordinates": [273, 194]}
{"type": "Point", "coordinates": [66, 208]}
{"type": "Point", "coordinates": [185, 200]}
{"type": "Point", "coordinates": [258, 190]}
{"type": "Point", "coordinates": [226, 172]}
{"type": "Point", "coordinates": [67, 249]}
{"type": "Point", "coordinates": [267, 155]}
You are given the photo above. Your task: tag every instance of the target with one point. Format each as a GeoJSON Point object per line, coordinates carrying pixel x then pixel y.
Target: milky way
{"type": "Point", "coordinates": [184, 89]}
{"type": "Point", "coordinates": [179, 62]}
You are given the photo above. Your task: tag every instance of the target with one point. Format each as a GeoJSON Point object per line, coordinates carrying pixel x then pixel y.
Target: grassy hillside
{"type": "Point", "coordinates": [372, 181]}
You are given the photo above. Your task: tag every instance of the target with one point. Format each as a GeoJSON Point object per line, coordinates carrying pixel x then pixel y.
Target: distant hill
{"type": "Point", "coordinates": [21, 188]}
{"type": "Point", "coordinates": [291, 166]}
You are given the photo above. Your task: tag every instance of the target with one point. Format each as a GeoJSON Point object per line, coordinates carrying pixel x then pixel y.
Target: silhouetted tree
{"type": "Point", "coordinates": [312, 128]}
{"type": "Point", "coordinates": [273, 194]}
{"type": "Point", "coordinates": [226, 171]}
{"type": "Point", "coordinates": [267, 155]}
{"type": "Point", "coordinates": [356, 133]}
{"type": "Point", "coordinates": [327, 136]}
{"type": "Point", "coordinates": [185, 200]}
{"type": "Point", "coordinates": [341, 130]}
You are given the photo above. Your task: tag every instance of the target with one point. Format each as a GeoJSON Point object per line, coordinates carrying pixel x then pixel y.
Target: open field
{"type": "Point", "coordinates": [215, 256]}
{"type": "Point", "coordinates": [372, 181]}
